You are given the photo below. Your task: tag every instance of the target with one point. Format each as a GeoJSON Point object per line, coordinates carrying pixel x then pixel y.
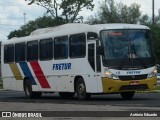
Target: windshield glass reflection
{"type": "Point", "coordinates": [119, 44]}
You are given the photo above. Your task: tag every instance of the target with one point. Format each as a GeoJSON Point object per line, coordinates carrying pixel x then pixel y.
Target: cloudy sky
{"type": "Point", "coordinates": [12, 13]}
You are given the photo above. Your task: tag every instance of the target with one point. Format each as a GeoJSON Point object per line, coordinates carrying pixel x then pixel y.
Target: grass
{"type": "Point", "coordinates": [158, 87]}
{"type": "Point", "coordinates": [1, 85]}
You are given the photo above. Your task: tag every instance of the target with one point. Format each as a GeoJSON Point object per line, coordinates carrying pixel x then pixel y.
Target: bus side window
{"type": "Point", "coordinates": [46, 49]}
{"type": "Point", "coordinates": [61, 47]}
{"type": "Point", "coordinates": [92, 36]}
{"type": "Point", "coordinates": [20, 52]}
{"type": "Point", "coordinates": [8, 53]}
{"type": "Point", "coordinates": [32, 50]}
{"type": "Point", "coordinates": [77, 46]}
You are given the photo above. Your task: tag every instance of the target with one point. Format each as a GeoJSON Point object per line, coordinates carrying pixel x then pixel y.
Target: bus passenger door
{"type": "Point", "coordinates": [93, 60]}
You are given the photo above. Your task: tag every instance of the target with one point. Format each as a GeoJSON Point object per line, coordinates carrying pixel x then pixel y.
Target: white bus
{"type": "Point", "coordinates": [82, 59]}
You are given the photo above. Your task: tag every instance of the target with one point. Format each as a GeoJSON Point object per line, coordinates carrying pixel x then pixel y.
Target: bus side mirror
{"type": "Point", "coordinates": [100, 50]}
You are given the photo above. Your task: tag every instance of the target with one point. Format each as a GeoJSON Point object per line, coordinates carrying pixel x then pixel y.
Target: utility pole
{"type": "Point", "coordinates": [24, 17]}
{"type": "Point", "coordinates": [152, 11]}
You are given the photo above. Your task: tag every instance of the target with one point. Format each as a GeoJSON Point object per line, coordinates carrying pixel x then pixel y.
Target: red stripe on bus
{"type": "Point", "coordinates": [39, 74]}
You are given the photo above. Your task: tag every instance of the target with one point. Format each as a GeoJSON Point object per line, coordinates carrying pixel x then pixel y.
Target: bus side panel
{"type": "Point", "coordinates": [62, 79]}
{"type": "Point", "coordinates": [19, 84]}
{"type": "Point", "coordinates": [55, 83]}
{"type": "Point", "coordinates": [91, 84]}
{"type": "Point", "coordinates": [7, 77]}
{"type": "Point", "coordinates": [99, 83]}
{"type": "Point", "coordinates": [66, 83]}
{"type": "Point", "coordinates": [9, 81]}
{"type": "Point", "coordinates": [59, 77]}
{"type": "Point", "coordinates": [90, 78]}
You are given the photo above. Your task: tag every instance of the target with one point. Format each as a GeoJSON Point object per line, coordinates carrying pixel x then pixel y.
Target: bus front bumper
{"type": "Point", "coordinates": [115, 86]}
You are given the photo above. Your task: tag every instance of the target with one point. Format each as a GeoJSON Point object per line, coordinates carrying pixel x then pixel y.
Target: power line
{"type": "Point", "coordinates": [9, 24]}
{"type": "Point", "coordinates": [11, 18]}
{"type": "Point", "coordinates": [16, 5]}
{"type": "Point", "coordinates": [10, 5]}
{"type": "Point", "coordinates": [8, 27]}
{"type": "Point", "coordinates": [17, 18]}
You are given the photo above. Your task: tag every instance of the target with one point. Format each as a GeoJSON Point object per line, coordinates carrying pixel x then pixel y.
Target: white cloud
{"type": "Point", "coordinates": [12, 15]}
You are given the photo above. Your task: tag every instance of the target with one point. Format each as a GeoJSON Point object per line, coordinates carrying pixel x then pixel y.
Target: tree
{"type": "Point", "coordinates": [156, 37]}
{"type": "Point", "coordinates": [111, 12]}
{"type": "Point", "coordinates": [155, 30]}
{"type": "Point", "coordinates": [41, 22]}
{"type": "Point", "coordinates": [145, 20]}
{"type": "Point", "coordinates": [49, 5]}
{"type": "Point", "coordinates": [69, 9]}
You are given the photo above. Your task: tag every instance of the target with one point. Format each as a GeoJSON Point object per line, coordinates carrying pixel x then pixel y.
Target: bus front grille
{"type": "Point", "coordinates": [134, 87]}
{"type": "Point", "coordinates": [133, 77]}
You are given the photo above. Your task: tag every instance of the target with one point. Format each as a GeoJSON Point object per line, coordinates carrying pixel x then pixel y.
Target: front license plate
{"type": "Point", "coordinates": [134, 83]}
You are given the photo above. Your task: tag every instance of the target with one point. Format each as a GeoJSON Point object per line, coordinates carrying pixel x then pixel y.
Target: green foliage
{"type": "Point", "coordinates": [71, 9]}
{"type": "Point", "coordinates": [1, 85]}
{"type": "Point", "coordinates": [155, 29]}
{"type": "Point", "coordinates": [156, 36]}
{"type": "Point", "coordinates": [41, 22]}
{"type": "Point", "coordinates": [111, 12]}
{"type": "Point", "coordinates": [157, 87]}
{"type": "Point", "coordinates": [50, 5]}
{"type": "Point", "coordinates": [68, 9]}
{"type": "Point", "coordinates": [145, 20]}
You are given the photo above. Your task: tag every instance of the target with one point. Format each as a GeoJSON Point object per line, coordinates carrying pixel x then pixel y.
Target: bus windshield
{"type": "Point", "coordinates": [126, 46]}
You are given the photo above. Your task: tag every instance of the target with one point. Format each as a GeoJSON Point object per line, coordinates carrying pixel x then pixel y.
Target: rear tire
{"type": "Point", "coordinates": [81, 90]}
{"type": "Point", "coordinates": [28, 90]}
{"type": "Point", "coordinates": [66, 95]}
{"type": "Point", "coordinates": [127, 95]}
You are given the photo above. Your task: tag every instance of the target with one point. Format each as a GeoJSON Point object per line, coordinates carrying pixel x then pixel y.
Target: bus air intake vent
{"type": "Point", "coordinates": [134, 87]}
{"type": "Point", "coordinates": [133, 77]}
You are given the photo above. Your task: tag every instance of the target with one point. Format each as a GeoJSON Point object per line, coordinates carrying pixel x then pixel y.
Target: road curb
{"type": "Point", "coordinates": [1, 86]}
{"type": "Point", "coordinates": [156, 91]}
{"type": "Point", "coordinates": [153, 91]}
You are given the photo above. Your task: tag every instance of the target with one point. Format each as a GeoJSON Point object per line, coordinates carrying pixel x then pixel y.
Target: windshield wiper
{"type": "Point", "coordinates": [132, 55]}
{"type": "Point", "coordinates": [126, 56]}
{"type": "Point", "coordinates": [134, 52]}
{"type": "Point", "coordinates": [124, 61]}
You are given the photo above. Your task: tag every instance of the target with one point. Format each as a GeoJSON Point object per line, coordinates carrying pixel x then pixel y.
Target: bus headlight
{"type": "Point", "coordinates": [109, 74]}
{"type": "Point", "coordinates": [152, 74]}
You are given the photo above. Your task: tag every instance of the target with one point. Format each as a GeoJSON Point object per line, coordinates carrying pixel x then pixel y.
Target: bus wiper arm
{"type": "Point", "coordinates": [123, 61]}
{"type": "Point", "coordinates": [133, 51]}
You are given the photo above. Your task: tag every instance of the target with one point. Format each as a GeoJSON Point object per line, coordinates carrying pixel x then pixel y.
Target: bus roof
{"type": "Point", "coordinates": [72, 28]}
{"type": "Point", "coordinates": [119, 26]}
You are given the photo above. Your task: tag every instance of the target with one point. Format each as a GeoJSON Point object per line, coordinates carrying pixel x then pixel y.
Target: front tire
{"type": "Point", "coordinates": [28, 90]}
{"type": "Point", "coordinates": [81, 90]}
{"type": "Point", "coordinates": [127, 95]}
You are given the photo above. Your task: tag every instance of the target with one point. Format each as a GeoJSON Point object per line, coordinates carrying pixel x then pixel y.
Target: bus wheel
{"type": "Point", "coordinates": [127, 95]}
{"type": "Point", "coordinates": [66, 95]}
{"type": "Point", "coordinates": [28, 90]}
{"type": "Point", "coordinates": [81, 90]}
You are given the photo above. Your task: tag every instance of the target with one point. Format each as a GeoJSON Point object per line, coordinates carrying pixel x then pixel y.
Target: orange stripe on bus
{"type": "Point", "coordinates": [15, 71]}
